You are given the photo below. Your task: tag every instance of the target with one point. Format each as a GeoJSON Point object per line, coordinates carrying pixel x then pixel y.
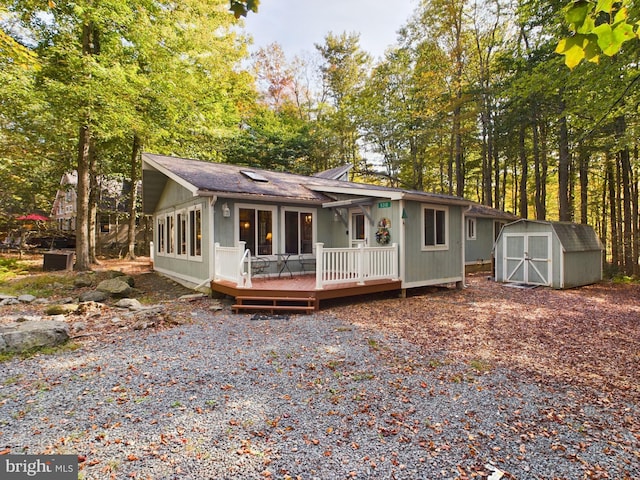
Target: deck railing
{"type": "Point", "coordinates": [343, 265]}
{"type": "Point", "coordinates": [333, 265]}
{"type": "Point", "coordinates": [231, 264]}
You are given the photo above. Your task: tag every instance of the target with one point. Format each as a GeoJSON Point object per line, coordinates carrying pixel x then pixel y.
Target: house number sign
{"type": "Point", "coordinates": [384, 204]}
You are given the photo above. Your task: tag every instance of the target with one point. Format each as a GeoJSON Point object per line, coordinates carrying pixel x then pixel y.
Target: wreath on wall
{"type": "Point", "coordinates": [383, 237]}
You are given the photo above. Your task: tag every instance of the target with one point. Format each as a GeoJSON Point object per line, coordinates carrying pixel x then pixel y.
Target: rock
{"type": "Point", "coordinates": [93, 296]}
{"type": "Point", "coordinates": [58, 318]}
{"type": "Point", "coordinates": [82, 281]}
{"type": "Point", "coordinates": [115, 273]}
{"type": "Point", "coordinates": [128, 279]}
{"type": "Point", "coordinates": [65, 309]}
{"type": "Point", "coordinates": [65, 300]}
{"type": "Point", "coordinates": [26, 298]}
{"type": "Point", "coordinates": [116, 320]}
{"type": "Point", "coordinates": [20, 337]}
{"type": "Point", "coordinates": [41, 301]}
{"type": "Point", "coordinates": [4, 296]}
{"type": "Point", "coordinates": [79, 326]}
{"type": "Point", "coordinates": [130, 303]}
{"type": "Point", "coordinates": [9, 301]}
{"type": "Point", "coordinates": [115, 287]}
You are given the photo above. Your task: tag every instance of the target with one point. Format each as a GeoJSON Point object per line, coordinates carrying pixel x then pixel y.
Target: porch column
{"type": "Point", "coordinates": [319, 265]}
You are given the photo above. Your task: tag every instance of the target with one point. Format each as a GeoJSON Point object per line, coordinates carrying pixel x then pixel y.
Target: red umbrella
{"type": "Point", "coordinates": [34, 217]}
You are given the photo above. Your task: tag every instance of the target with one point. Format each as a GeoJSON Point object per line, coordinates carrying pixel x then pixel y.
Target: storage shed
{"type": "Point", "coordinates": [554, 254]}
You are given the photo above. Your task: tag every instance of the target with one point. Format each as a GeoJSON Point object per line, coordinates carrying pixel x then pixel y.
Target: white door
{"type": "Point", "coordinates": [359, 229]}
{"type": "Point", "coordinates": [527, 258]}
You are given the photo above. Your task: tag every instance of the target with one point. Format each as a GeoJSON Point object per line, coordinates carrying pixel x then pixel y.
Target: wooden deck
{"type": "Point", "coordinates": [297, 293]}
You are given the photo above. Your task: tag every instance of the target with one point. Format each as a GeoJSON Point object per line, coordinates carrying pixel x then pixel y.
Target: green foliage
{"type": "Point", "coordinates": [11, 268]}
{"type": "Point", "coordinates": [600, 27]}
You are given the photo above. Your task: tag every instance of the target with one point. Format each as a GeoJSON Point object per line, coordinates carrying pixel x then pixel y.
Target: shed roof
{"type": "Point", "coordinates": [208, 178]}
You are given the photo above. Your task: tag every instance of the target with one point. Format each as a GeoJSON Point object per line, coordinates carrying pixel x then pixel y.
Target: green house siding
{"type": "Point", "coordinates": [435, 266]}
{"type": "Point", "coordinates": [194, 270]}
{"type": "Point", "coordinates": [478, 250]}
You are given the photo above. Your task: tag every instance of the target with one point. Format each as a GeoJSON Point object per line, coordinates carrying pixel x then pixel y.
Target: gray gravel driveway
{"type": "Point", "coordinates": [309, 397]}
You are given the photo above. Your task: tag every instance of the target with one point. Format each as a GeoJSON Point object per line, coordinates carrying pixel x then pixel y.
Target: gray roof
{"type": "Point", "coordinates": [336, 173]}
{"type": "Point", "coordinates": [484, 211]}
{"type": "Point", "coordinates": [576, 237]}
{"type": "Point", "coordinates": [208, 178]}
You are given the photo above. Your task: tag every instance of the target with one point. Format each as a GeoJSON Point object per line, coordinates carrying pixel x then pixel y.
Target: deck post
{"type": "Point", "coordinates": [240, 267]}
{"type": "Point", "coordinates": [319, 265]}
{"type": "Point", "coordinates": [216, 261]}
{"type": "Point", "coordinates": [360, 262]}
{"type": "Point", "coordinates": [395, 261]}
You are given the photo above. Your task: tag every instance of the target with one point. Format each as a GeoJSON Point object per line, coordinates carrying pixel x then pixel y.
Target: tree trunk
{"type": "Point", "coordinates": [584, 182]}
{"type": "Point", "coordinates": [83, 262]}
{"type": "Point", "coordinates": [611, 183]}
{"type": "Point", "coordinates": [564, 213]}
{"type": "Point", "coordinates": [524, 165]}
{"type": "Point", "coordinates": [85, 138]}
{"type": "Point", "coordinates": [131, 235]}
{"type": "Point", "coordinates": [625, 173]}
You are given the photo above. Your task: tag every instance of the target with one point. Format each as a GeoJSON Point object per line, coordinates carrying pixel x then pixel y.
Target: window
{"type": "Point", "coordinates": [170, 231]}
{"type": "Point", "coordinates": [471, 228]}
{"type": "Point", "coordinates": [298, 231]}
{"type": "Point", "coordinates": [435, 228]}
{"type": "Point", "coordinates": [256, 229]}
{"type": "Point", "coordinates": [195, 232]}
{"type": "Point", "coordinates": [161, 236]}
{"type": "Point", "coordinates": [181, 226]}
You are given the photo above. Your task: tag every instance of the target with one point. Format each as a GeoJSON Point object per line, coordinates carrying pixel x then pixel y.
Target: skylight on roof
{"type": "Point", "coordinates": [256, 177]}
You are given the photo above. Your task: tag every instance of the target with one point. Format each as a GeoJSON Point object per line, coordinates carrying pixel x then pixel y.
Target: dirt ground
{"type": "Point", "coordinates": [588, 337]}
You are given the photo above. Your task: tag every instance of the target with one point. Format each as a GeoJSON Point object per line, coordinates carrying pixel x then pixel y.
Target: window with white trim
{"type": "Point", "coordinates": [471, 228]}
{"type": "Point", "coordinates": [170, 232]}
{"type": "Point", "coordinates": [195, 231]}
{"type": "Point", "coordinates": [255, 228]}
{"type": "Point", "coordinates": [181, 230]}
{"type": "Point", "coordinates": [435, 234]}
{"type": "Point", "coordinates": [299, 231]}
{"type": "Point", "coordinates": [160, 241]}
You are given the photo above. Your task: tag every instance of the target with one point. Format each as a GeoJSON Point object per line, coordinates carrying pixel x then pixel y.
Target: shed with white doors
{"type": "Point", "coordinates": [553, 254]}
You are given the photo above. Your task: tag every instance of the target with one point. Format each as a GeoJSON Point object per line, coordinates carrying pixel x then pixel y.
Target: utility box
{"type": "Point", "coordinates": [58, 260]}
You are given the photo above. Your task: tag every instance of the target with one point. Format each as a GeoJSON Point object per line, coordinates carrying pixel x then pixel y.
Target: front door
{"type": "Point", "coordinates": [359, 229]}
{"type": "Point", "coordinates": [527, 258]}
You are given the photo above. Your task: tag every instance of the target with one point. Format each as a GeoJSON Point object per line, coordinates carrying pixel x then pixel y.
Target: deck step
{"type": "Point", "coordinates": [273, 304]}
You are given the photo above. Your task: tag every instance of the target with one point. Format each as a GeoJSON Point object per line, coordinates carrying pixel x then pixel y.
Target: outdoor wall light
{"type": "Point", "coordinates": [225, 210]}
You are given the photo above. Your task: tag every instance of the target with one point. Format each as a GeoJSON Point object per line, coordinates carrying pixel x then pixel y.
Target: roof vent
{"type": "Point", "coordinates": [256, 177]}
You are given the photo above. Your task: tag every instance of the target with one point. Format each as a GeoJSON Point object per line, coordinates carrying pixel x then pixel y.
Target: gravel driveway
{"type": "Point", "coordinates": [242, 397]}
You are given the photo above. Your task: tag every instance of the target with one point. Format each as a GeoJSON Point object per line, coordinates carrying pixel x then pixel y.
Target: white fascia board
{"type": "Point", "coordinates": [391, 195]}
{"type": "Point", "coordinates": [167, 173]}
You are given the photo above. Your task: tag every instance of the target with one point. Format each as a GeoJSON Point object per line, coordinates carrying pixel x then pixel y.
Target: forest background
{"type": "Point", "coordinates": [472, 100]}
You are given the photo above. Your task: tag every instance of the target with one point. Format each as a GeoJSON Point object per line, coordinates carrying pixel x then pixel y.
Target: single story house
{"type": "Point", "coordinates": [235, 228]}
{"type": "Point", "coordinates": [554, 254]}
{"type": "Point", "coordinates": [482, 227]}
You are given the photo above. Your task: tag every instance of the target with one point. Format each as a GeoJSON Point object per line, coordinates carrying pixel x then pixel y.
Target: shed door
{"type": "Point", "coordinates": [527, 258]}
